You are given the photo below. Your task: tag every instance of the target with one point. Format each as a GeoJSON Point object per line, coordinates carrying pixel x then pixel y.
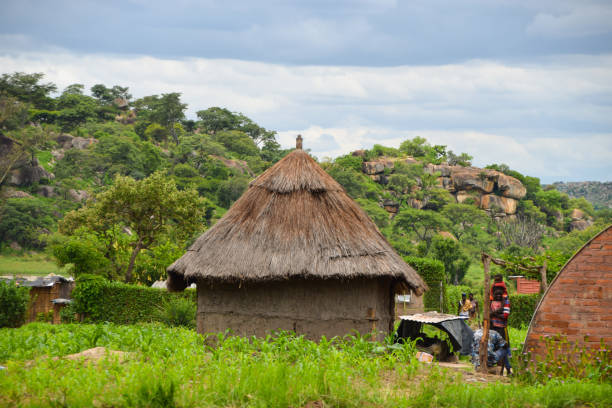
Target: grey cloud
{"type": "Point", "coordinates": [364, 33]}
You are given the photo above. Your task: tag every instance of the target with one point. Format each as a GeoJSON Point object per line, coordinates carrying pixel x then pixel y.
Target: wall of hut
{"type": "Point", "coordinates": [312, 308]}
{"type": "Point", "coordinates": [415, 305]}
{"type": "Point", "coordinates": [41, 297]}
{"type": "Point", "coordinates": [578, 302]}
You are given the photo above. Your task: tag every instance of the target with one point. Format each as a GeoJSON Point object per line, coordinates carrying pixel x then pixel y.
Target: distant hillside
{"type": "Point", "coordinates": [598, 193]}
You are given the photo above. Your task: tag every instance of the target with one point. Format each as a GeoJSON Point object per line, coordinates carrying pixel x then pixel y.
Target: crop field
{"type": "Point", "coordinates": [156, 366]}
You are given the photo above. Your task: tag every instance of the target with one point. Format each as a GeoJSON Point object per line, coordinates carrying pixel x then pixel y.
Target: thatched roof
{"type": "Point", "coordinates": [294, 221]}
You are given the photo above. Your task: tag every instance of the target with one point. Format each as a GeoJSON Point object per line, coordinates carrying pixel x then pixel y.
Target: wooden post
{"type": "Point", "coordinates": [372, 318]}
{"type": "Point", "coordinates": [484, 341]}
{"type": "Point", "coordinates": [298, 142]}
{"type": "Point", "coordinates": [543, 279]}
{"type": "Point", "coordinates": [441, 297]}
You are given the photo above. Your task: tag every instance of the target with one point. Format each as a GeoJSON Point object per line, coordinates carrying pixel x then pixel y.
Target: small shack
{"type": "Point", "coordinates": [578, 302]}
{"type": "Point", "coordinates": [43, 292]}
{"type": "Point", "coordinates": [295, 252]}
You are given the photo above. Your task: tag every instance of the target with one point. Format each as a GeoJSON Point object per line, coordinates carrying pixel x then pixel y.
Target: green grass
{"type": "Point", "coordinates": [173, 367]}
{"type": "Point", "coordinates": [44, 159]}
{"type": "Point", "coordinates": [29, 264]}
{"type": "Point", "coordinates": [474, 277]}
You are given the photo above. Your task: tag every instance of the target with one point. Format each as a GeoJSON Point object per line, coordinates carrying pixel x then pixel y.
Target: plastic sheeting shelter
{"type": "Point", "coordinates": [458, 331]}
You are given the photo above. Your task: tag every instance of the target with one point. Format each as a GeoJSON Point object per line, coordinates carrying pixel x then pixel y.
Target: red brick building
{"type": "Point", "coordinates": [578, 302]}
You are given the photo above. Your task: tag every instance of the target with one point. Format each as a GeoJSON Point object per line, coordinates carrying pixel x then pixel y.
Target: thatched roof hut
{"type": "Point", "coordinates": [295, 223]}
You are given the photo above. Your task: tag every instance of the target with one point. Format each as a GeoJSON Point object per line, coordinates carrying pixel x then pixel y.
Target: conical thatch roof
{"type": "Point", "coordinates": [293, 221]}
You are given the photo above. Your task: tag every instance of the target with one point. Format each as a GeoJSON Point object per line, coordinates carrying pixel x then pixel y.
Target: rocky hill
{"type": "Point", "coordinates": [598, 193]}
{"type": "Point", "coordinates": [490, 190]}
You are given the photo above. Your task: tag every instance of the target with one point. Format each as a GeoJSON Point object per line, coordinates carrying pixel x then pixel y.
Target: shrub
{"type": "Point", "coordinates": [432, 272]}
{"type": "Point", "coordinates": [98, 300]}
{"type": "Point", "coordinates": [178, 311]}
{"type": "Point", "coordinates": [13, 304]}
{"type": "Point", "coordinates": [522, 308]}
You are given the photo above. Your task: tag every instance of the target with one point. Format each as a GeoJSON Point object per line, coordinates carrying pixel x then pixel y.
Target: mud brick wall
{"type": "Point", "coordinates": [313, 308]}
{"type": "Point", "coordinates": [578, 303]}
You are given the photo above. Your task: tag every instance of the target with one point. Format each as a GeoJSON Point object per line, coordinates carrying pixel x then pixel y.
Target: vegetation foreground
{"type": "Point", "coordinates": [170, 367]}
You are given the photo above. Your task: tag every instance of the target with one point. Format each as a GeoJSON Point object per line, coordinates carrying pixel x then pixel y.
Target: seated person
{"type": "Point", "coordinates": [496, 350]}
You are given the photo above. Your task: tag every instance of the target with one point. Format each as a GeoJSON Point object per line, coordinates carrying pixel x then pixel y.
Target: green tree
{"type": "Point", "coordinates": [237, 141]}
{"type": "Point", "coordinates": [449, 252]}
{"type": "Point", "coordinates": [423, 223]}
{"type": "Point", "coordinates": [84, 252]}
{"type": "Point", "coordinates": [74, 89]}
{"type": "Point", "coordinates": [379, 215]}
{"type": "Point", "coordinates": [463, 159]}
{"type": "Point", "coordinates": [150, 208]}
{"type": "Point", "coordinates": [419, 148]}
{"type": "Point", "coordinates": [231, 189]}
{"type": "Point", "coordinates": [167, 110]}
{"type": "Point", "coordinates": [215, 119]}
{"type": "Point", "coordinates": [23, 219]}
{"type": "Point", "coordinates": [156, 132]}
{"type": "Point", "coordinates": [462, 218]}
{"type": "Point", "coordinates": [25, 144]}
{"type": "Point", "coordinates": [75, 109]}
{"type": "Point", "coordinates": [27, 88]}
{"type": "Point", "coordinates": [13, 113]}
{"type": "Point", "coordinates": [108, 95]}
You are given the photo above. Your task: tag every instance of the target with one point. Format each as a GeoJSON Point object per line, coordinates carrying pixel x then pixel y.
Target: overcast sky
{"type": "Point", "coordinates": [527, 83]}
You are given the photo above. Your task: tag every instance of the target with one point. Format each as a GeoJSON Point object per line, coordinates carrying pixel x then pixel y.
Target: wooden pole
{"type": "Point", "coordinates": [543, 277]}
{"type": "Point", "coordinates": [484, 341]}
{"type": "Point", "coordinates": [441, 297]}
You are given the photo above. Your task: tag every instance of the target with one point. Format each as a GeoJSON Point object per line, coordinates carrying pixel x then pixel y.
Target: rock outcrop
{"type": "Point", "coordinates": [239, 165]}
{"type": "Point", "coordinates": [490, 190]}
{"type": "Point", "coordinates": [580, 221]}
{"type": "Point", "coordinates": [67, 141]}
{"type": "Point", "coordinates": [28, 173]}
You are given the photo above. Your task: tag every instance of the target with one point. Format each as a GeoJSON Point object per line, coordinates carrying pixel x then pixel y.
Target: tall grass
{"type": "Point", "coordinates": [175, 367]}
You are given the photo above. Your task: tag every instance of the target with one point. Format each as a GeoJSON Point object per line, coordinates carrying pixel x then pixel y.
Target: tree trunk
{"type": "Point", "coordinates": [173, 132]}
{"type": "Point", "coordinates": [484, 341]}
{"type": "Point", "coordinates": [543, 277]}
{"type": "Point", "coordinates": [135, 251]}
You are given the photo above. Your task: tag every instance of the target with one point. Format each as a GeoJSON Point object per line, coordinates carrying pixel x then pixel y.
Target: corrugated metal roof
{"type": "Point", "coordinates": [431, 317]}
{"type": "Point", "coordinates": [37, 282]}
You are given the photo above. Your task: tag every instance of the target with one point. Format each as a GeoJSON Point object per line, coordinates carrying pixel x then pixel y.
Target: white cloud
{"type": "Point", "coordinates": [548, 118]}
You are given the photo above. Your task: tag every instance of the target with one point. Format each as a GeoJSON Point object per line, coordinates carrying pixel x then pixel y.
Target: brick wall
{"type": "Point", "coordinates": [579, 300]}
{"type": "Point", "coordinates": [527, 286]}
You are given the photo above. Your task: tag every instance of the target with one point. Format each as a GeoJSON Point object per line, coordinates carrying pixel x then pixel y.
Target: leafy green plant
{"type": "Point", "coordinates": [432, 272]}
{"type": "Point", "coordinates": [13, 304]}
{"type": "Point", "coordinates": [522, 308]}
{"type": "Point", "coordinates": [566, 360]}
{"type": "Point", "coordinates": [178, 311]}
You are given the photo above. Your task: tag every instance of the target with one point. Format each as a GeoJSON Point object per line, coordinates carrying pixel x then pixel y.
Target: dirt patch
{"type": "Point", "coordinates": [95, 354]}
{"type": "Point", "coordinates": [92, 355]}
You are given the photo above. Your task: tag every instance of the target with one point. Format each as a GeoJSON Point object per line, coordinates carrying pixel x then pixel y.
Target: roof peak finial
{"type": "Point", "coordinates": [298, 142]}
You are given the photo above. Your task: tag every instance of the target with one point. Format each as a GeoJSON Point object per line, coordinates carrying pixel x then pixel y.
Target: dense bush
{"type": "Point", "coordinates": [13, 304]}
{"type": "Point", "coordinates": [522, 308]}
{"type": "Point", "coordinates": [178, 311]}
{"type": "Point", "coordinates": [23, 219]}
{"type": "Point", "coordinates": [432, 272]}
{"type": "Point", "coordinates": [99, 300]}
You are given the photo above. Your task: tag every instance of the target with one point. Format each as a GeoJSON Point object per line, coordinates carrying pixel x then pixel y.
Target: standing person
{"type": "Point", "coordinates": [500, 310]}
{"type": "Point", "coordinates": [464, 306]}
{"type": "Point", "coordinates": [497, 350]}
{"type": "Point", "coordinates": [474, 311]}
